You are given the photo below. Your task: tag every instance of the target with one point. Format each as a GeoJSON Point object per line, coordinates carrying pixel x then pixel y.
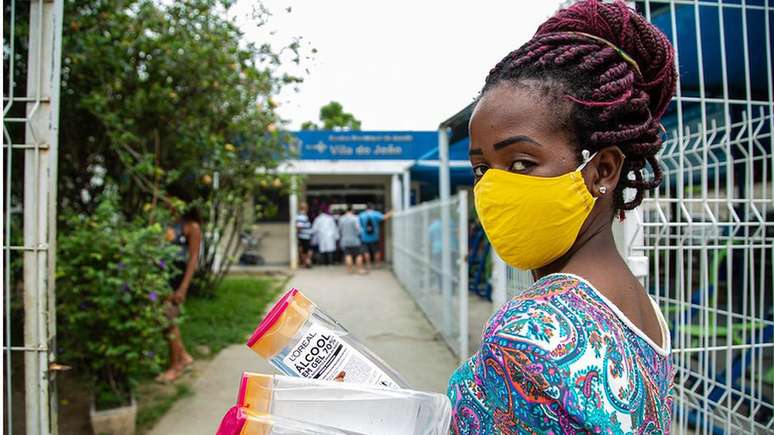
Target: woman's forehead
{"type": "Point", "coordinates": [507, 110]}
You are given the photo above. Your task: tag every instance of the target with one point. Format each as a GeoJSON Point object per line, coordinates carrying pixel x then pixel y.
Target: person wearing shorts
{"type": "Point", "coordinates": [371, 250]}
{"type": "Point", "coordinates": [304, 234]}
{"type": "Point", "coordinates": [349, 228]}
{"type": "Point", "coordinates": [354, 252]}
{"type": "Point", "coordinates": [370, 222]}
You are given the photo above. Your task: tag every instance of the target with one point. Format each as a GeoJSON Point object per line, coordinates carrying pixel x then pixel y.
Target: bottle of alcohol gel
{"type": "Point", "coordinates": [301, 340]}
{"type": "Point", "coordinates": [238, 421]}
{"type": "Point", "coordinates": [352, 407]}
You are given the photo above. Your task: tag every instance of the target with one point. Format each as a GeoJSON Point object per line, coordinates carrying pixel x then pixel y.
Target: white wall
{"type": "Point", "coordinates": [274, 246]}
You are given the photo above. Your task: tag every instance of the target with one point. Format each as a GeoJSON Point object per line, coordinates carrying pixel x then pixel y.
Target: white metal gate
{"type": "Point", "coordinates": [708, 231]}
{"type": "Point", "coordinates": [708, 235]}
{"type": "Point", "coordinates": [31, 67]}
{"type": "Point", "coordinates": [437, 278]}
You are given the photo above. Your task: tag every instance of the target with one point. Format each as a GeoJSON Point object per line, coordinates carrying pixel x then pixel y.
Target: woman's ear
{"type": "Point", "coordinates": [608, 165]}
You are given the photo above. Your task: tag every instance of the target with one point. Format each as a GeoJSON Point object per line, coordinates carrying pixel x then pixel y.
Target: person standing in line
{"type": "Point", "coordinates": [338, 254]}
{"type": "Point", "coordinates": [304, 234]}
{"type": "Point", "coordinates": [326, 233]}
{"type": "Point", "coordinates": [349, 228]}
{"type": "Point", "coordinates": [370, 221]}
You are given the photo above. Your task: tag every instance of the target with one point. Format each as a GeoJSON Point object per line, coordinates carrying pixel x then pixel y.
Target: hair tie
{"type": "Point", "coordinates": [628, 59]}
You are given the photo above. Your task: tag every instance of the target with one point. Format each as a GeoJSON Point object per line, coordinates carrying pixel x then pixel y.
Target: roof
{"type": "Point", "coordinates": [458, 123]}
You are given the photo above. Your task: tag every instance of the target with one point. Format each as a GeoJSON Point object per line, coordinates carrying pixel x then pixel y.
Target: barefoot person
{"type": "Point", "coordinates": [187, 234]}
{"type": "Point", "coordinates": [562, 129]}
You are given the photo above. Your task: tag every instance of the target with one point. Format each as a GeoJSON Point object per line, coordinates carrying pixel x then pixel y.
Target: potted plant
{"type": "Point", "coordinates": [111, 286]}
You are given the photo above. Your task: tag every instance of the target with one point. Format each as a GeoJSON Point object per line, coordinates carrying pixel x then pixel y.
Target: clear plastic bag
{"type": "Point", "coordinates": [239, 421]}
{"type": "Point", "coordinates": [301, 340]}
{"type": "Point", "coordinates": [352, 407]}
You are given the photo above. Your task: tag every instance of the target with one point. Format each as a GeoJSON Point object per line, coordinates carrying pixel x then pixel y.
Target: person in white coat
{"type": "Point", "coordinates": [327, 233]}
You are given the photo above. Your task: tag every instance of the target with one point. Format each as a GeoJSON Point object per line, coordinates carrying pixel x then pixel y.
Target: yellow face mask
{"type": "Point", "coordinates": [531, 221]}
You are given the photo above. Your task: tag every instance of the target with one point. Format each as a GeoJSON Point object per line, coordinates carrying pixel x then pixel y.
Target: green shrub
{"type": "Point", "coordinates": [112, 281]}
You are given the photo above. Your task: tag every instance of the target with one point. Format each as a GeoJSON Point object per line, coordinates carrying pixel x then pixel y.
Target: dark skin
{"type": "Point", "coordinates": [512, 129]}
{"type": "Point", "coordinates": [179, 358]}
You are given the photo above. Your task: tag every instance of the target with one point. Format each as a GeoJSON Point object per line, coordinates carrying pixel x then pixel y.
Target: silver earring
{"type": "Point", "coordinates": [602, 190]}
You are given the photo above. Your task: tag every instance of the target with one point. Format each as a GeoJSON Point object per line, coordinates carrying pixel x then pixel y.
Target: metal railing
{"type": "Point", "coordinates": [709, 236]}
{"type": "Point", "coordinates": [709, 242]}
{"type": "Point", "coordinates": [436, 278]}
{"type": "Point", "coordinates": [31, 64]}
{"type": "Point", "coordinates": [707, 232]}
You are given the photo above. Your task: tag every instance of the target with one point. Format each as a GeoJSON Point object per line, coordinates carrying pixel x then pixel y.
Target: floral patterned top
{"type": "Point", "coordinates": [562, 359]}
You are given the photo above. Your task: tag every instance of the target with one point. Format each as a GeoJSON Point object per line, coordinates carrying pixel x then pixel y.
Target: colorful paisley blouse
{"type": "Point", "coordinates": [562, 359]}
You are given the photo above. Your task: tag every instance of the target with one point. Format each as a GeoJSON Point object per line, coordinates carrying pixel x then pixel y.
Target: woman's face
{"type": "Point", "coordinates": [516, 129]}
{"type": "Point", "coordinates": [513, 130]}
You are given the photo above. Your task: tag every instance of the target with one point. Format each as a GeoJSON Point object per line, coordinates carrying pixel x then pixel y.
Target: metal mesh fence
{"type": "Point", "coordinates": [31, 71]}
{"type": "Point", "coordinates": [708, 230]}
{"type": "Point", "coordinates": [708, 235]}
{"type": "Point", "coordinates": [437, 279]}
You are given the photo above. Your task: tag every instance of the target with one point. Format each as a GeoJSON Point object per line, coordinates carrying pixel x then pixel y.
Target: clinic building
{"type": "Point", "coordinates": [391, 170]}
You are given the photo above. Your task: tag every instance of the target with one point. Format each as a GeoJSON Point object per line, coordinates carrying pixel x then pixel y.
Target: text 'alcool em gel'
{"type": "Point", "coordinates": [300, 340]}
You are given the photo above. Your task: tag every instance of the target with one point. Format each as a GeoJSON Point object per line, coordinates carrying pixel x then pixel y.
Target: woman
{"type": "Point", "coordinates": [186, 233]}
{"type": "Point", "coordinates": [562, 127]}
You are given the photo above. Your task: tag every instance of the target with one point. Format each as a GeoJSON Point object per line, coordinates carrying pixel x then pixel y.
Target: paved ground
{"type": "Point", "coordinates": [374, 308]}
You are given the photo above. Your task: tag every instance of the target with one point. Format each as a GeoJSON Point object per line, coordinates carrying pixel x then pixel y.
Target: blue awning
{"type": "Point", "coordinates": [426, 169]}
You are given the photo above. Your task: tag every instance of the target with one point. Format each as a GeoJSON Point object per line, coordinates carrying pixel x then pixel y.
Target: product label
{"type": "Point", "coordinates": [322, 354]}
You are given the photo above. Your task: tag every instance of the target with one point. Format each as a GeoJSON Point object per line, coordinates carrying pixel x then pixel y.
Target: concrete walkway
{"type": "Point", "coordinates": [373, 307]}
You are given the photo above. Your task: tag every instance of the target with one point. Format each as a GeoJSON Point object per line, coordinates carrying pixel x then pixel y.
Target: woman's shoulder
{"type": "Point", "coordinates": [537, 315]}
{"type": "Point", "coordinates": [558, 341]}
{"type": "Point", "coordinates": [553, 285]}
{"type": "Point", "coordinates": [543, 339]}
{"type": "Point", "coordinates": [191, 228]}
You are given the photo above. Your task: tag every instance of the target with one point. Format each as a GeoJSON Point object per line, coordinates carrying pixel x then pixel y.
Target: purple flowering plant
{"type": "Point", "coordinates": [110, 296]}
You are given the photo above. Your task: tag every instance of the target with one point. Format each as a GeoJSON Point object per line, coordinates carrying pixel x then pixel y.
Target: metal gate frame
{"type": "Point", "coordinates": [438, 284]}
{"type": "Point", "coordinates": [39, 148]}
{"type": "Point", "coordinates": [710, 212]}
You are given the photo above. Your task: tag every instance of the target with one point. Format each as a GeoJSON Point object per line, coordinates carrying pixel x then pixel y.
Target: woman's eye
{"type": "Point", "coordinates": [478, 171]}
{"type": "Point", "coordinates": [521, 165]}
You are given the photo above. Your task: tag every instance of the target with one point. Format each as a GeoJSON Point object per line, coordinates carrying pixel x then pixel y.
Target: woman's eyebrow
{"type": "Point", "coordinates": [514, 139]}
{"type": "Point", "coordinates": [475, 152]}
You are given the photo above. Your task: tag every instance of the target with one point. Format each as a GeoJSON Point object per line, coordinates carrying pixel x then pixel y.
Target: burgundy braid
{"type": "Point", "coordinates": [616, 104]}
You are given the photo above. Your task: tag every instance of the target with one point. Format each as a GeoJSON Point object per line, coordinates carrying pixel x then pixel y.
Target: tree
{"type": "Point", "coordinates": [333, 117]}
{"type": "Point", "coordinates": [309, 125]}
{"type": "Point", "coordinates": [166, 99]}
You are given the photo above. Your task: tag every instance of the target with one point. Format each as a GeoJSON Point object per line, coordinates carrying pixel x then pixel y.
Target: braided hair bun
{"type": "Point", "coordinates": [619, 71]}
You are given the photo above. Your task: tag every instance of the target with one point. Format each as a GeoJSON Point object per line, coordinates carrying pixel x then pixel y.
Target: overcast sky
{"type": "Point", "coordinates": [398, 64]}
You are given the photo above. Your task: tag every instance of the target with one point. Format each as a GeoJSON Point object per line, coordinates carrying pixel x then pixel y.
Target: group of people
{"type": "Point", "coordinates": [353, 235]}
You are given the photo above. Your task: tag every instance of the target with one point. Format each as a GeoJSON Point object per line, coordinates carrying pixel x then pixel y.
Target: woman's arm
{"type": "Point", "coordinates": [193, 234]}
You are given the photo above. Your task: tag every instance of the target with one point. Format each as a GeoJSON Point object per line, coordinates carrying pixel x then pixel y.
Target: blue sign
{"type": "Point", "coordinates": [364, 145]}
